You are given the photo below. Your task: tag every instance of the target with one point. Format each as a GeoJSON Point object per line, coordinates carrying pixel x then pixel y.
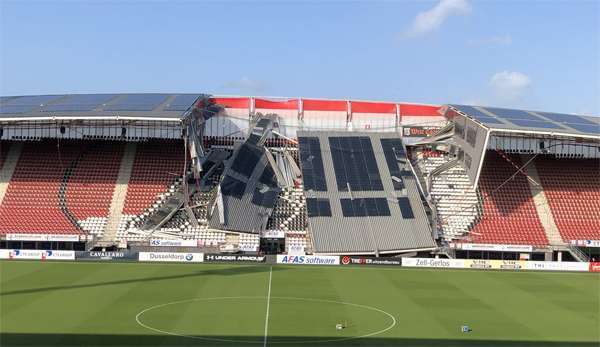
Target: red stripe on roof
{"type": "Point", "coordinates": [243, 102]}
{"type": "Point", "coordinates": [372, 107]}
{"type": "Point", "coordinates": [290, 104]}
{"type": "Point", "coordinates": [324, 105]}
{"type": "Point", "coordinates": [419, 110]}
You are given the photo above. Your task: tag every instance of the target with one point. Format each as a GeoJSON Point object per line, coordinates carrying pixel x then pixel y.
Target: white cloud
{"type": "Point", "coordinates": [509, 86]}
{"type": "Point", "coordinates": [246, 84]}
{"type": "Point", "coordinates": [501, 40]}
{"type": "Point", "coordinates": [428, 21]}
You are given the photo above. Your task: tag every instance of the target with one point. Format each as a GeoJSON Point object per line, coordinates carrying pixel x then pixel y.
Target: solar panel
{"type": "Point", "coordinates": [354, 163]}
{"type": "Point", "coordinates": [138, 102]}
{"type": "Point", "coordinates": [565, 118]}
{"type": "Point", "coordinates": [312, 164]}
{"type": "Point", "coordinates": [393, 151]}
{"type": "Point", "coordinates": [232, 187]}
{"type": "Point", "coordinates": [585, 128]}
{"type": "Point", "coordinates": [24, 104]}
{"type": "Point", "coordinates": [33, 100]}
{"type": "Point", "coordinates": [511, 114]}
{"type": "Point", "coordinates": [475, 113]}
{"type": "Point", "coordinates": [79, 102]}
{"type": "Point", "coordinates": [16, 108]}
{"type": "Point", "coordinates": [362, 207]}
{"type": "Point", "coordinates": [535, 124]}
{"type": "Point", "coordinates": [318, 207]}
{"type": "Point", "coordinates": [246, 159]}
{"type": "Point", "coordinates": [181, 102]}
{"type": "Point", "coordinates": [268, 177]}
{"type": "Point", "coordinates": [265, 198]}
{"type": "Point", "coordinates": [405, 208]}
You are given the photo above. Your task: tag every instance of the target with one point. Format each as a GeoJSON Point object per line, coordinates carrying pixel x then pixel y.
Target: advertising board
{"type": "Point", "coordinates": [557, 266]}
{"type": "Point", "coordinates": [308, 259]}
{"type": "Point", "coordinates": [233, 258]}
{"type": "Point", "coordinates": [594, 267]}
{"type": "Point", "coordinates": [171, 257]}
{"type": "Point", "coordinates": [34, 254]}
{"type": "Point", "coordinates": [492, 247]}
{"type": "Point", "coordinates": [42, 237]}
{"type": "Point", "coordinates": [173, 243]}
{"type": "Point", "coordinates": [432, 262]}
{"type": "Point", "coordinates": [352, 260]}
{"type": "Point", "coordinates": [113, 255]}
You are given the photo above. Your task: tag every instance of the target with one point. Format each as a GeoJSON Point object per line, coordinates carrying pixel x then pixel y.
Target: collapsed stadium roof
{"type": "Point", "coordinates": [361, 194]}
{"type": "Point", "coordinates": [137, 106]}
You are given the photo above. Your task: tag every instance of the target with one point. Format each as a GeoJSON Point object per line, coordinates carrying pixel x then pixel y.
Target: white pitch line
{"type": "Point", "coordinates": [268, 304]}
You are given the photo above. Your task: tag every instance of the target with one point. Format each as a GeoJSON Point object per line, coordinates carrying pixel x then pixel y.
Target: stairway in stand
{"type": "Point", "coordinates": [541, 204]}
{"type": "Point", "coordinates": [118, 199]}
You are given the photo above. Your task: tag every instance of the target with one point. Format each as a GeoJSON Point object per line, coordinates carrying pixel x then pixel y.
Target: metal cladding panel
{"type": "Point", "coordinates": [368, 234]}
{"type": "Point", "coordinates": [470, 137]}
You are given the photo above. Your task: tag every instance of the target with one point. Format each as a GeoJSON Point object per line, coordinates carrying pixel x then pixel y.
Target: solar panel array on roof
{"type": "Point", "coordinates": [318, 207]}
{"type": "Point", "coordinates": [365, 207]}
{"type": "Point", "coordinates": [312, 164]}
{"type": "Point", "coordinates": [477, 114]}
{"type": "Point", "coordinates": [138, 102]}
{"type": "Point", "coordinates": [24, 104]}
{"type": "Point", "coordinates": [573, 121]}
{"type": "Point", "coordinates": [181, 102]}
{"type": "Point", "coordinates": [511, 114]}
{"type": "Point", "coordinates": [79, 102]}
{"type": "Point", "coordinates": [393, 152]}
{"type": "Point", "coordinates": [354, 163]}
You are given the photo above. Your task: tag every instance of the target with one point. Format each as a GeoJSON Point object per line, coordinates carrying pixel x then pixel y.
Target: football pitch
{"type": "Point", "coordinates": [151, 304]}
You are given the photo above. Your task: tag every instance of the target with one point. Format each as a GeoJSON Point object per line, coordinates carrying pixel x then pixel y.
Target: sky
{"type": "Point", "coordinates": [537, 54]}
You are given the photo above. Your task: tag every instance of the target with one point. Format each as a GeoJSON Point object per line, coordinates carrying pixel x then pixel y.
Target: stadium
{"type": "Point", "coordinates": [201, 220]}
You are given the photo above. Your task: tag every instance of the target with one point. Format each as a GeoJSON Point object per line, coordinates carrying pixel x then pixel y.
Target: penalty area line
{"type": "Point", "coordinates": [268, 307]}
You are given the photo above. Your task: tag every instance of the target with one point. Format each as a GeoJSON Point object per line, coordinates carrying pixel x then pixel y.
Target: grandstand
{"type": "Point", "coordinates": [297, 175]}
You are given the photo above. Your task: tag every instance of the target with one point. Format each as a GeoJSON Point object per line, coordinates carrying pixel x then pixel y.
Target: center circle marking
{"type": "Point", "coordinates": [371, 308]}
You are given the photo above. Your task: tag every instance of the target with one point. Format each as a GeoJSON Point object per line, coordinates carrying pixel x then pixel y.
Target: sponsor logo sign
{"type": "Point", "coordinates": [98, 255]}
{"type": "Point", "coordinates": [237, 258]}
{"type": "Point", "coordinates": [173, 243]}
{"type": "Point", "coordinates": [34, 254]}
{"type": "Point", "coordinates": [557, 266]}
{"type": "Point", "coordinates": [308, 259]}
{"type": "Point", "coordinates": [432, 262]}
{"type": "Point", "coordinates": [172, 257]}
{"type": "Point", "coordinates": [350, 260]}
{"type": "Point", "coordinates": [419, 131]}
{"type": "Point", "coordinates": [594, 267]}
{"type": "Point", "coordinates": [273, 234]}
{"type": "Point", "coordinates": [492, 247]}
{"type": "Point", "coordinates": [42, 237]}
{"type": "Point", "coordinates": [296, 250]}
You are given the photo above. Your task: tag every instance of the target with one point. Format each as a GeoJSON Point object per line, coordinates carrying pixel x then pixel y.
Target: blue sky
{"type": "Point", "coordinates": [532, 54]}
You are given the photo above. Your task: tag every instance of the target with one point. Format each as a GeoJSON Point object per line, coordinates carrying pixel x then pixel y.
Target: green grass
{"type": "Point", "coordinates": [86, 304]}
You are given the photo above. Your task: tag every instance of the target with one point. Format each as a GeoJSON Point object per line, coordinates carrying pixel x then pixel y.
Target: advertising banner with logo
{"type": "Point", "coordinates": [34, 254]}
{"type": "Point", "coordinates": [43, 237]}
{"type": "Point", "coordinates": [352, 260]}
{"type": "Point", "coordinates": [115, 255]}
{"type": "Point", "coordinates": [234, 258]}
{"type": "Point", "coordinates": [492, 247]}
{"type": "Point", "coordinates": [431, 262]}
{"type": "Point", "coordinates": [173, 243]}
{"type": "Point", "coordinates": [419, 131]}
{"type": "Point", "coordinates": [296, 250]}
{"type": "Point", "coordinates": [557, 266]}
{"type": "Point", "coordinates": [594, 267]}
{"type": "Point", "coordinates": [308, 259]}
{"type": "Point", "coordinates": [171, 257]}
